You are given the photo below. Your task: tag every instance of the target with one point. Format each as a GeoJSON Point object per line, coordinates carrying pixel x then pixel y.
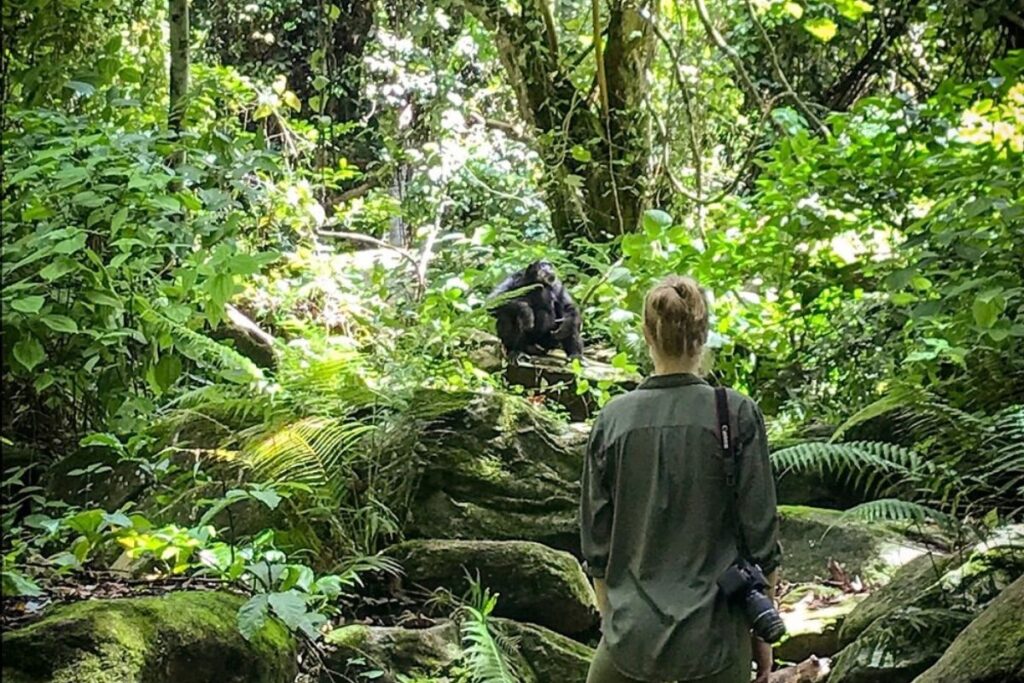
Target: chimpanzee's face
{"type": "Point", "coordinates": [541, 271]}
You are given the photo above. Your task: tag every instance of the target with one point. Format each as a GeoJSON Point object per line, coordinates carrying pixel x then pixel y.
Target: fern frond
{"type": "Point", "coordinates": [895, 510]}
{"type": "Point", "coordinates": [486, 660]}
{"type": "Point", "coordinates": [866, 464]}
{"type": "Point", "coordinates": [311, 451]}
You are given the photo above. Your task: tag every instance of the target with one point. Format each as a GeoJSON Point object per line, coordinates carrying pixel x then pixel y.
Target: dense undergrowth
{"type": "Point", "coordinates": [867, 276]}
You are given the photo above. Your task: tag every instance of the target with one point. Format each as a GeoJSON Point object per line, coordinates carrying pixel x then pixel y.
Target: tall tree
{"type": "Point", "coordinates": [179, 28]}
{"type": "Point", "coordinates": [594, 140]}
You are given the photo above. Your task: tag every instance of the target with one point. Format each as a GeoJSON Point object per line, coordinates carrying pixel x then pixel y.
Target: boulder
{"type": "Point", "coordinates": [185, 636]}
{"type": "Point", "coordinates": [534, 582]}
{"type": "Point", "coordinates": [813, 614]}
{"type": "Point", "coordinates": [498, 468]}
{"type": "Point", "coordinates": [813, 536]}
{"type": "Point", "coordinates": [914, 583]}
{"type": "Point", "coordinates": [387, 652]}
{"type": "Point", "coordinates": [548, 657]}
{"type": "Point", "coordinates": [553, 378]}
{"type": "Point", "coordinates": [991, 649]}
{"type": "Point", "coordinates": [390, 654]}
{"type": "Point", "coordinates": [904, 630]}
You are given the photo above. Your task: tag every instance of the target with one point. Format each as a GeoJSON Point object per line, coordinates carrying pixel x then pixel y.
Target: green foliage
{"type": "Point", "coordinates": [489, 656]}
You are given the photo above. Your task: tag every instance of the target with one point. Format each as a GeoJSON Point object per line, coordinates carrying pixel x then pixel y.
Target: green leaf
{"type": "Point", "coordinates": [29, 352]}
{"type": "Point", "coordinates": [60, 323]}
{"type": "Point", "coordinates": [71, 245]}
{"type": "Point", "coordinates": [105, 439]}
{"type": "Point", "coordinates": [290, 607]}
{"type": "Point", "coordinates": [853, 9]}
{"type": "Point", "coordinates": [268, 497]}
{"type": "Point", "coordinates": [580, 153]}
{"type": "Point", "coordinates": [822, 28]}
{"type": "Point", "coordinates": [794, 9]}
{"type": "Point", "coordinates": [292, 100]}
{"type": "Point", "coordinates": [252, 616]}
{"type": "Point", "coordinates": [83, 89]}
{"type": "Point", "coordinates": [43, 382]}
{"type": "Point", "coordinates": [16, 583]}
{"type": "Point", "coordinates": [58, 269]}
{"type": "Point", "coordinates": [28, 304]}
{"type": "Point", "coordinates": [986, 310]}
{"type": "Point", "coordinates": [167, 371]}
{"type": "Point", "coordinates": [655, 220]}
{"type": "Point", "coordinates": [119, 218]}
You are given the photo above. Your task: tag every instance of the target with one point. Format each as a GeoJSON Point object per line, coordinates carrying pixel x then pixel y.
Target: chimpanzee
{"type": "Point", "coordinates": [540, 319]}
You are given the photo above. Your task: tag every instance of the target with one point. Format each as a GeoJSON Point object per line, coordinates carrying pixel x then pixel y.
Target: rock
{"type": "Point", "coordinates": [897, 648]}
{"type": "Point", "coordinates": [914, 583]}
{"type": "Point", "coordinates": [991, 649]}
{"type": "Point", "coordinates": [186, 636]}
{"type": "Point", "coordinates": [393, 650]}
{"type": "Point", "coordinates": [903, 632]}
{"type": "Point", "coordinates": [541, 656]}
{"type": "Point", "coordinates": [534, 583]}
{"type": "Point", "coordinates": [813, 614]}
{"type": "Point", "coordinates": [553, 378]}
{"type": "Point", "coordinates": [812, 536]}
{"type": "Point", "coordinates": [498, 468]}
{"type": "Point", "coordinates": [549, 657]}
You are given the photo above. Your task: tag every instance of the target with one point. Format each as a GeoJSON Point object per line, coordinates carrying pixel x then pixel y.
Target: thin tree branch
{"type": "Point", "coordinates": [367, 239]}
{"type": "Point", "coordinates": [781, 75]}
{"type": "Point", "coordinates": [509, 129]}
{"type": "Point", "coordinates": [741, 71]}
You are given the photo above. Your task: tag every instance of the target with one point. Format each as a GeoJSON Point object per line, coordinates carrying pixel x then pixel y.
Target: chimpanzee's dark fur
{"type": "Point", "coordinates": [541, 319]}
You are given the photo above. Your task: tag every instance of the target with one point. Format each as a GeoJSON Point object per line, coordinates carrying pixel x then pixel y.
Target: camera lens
{"type": "Point", "coordinates": [764, 619]}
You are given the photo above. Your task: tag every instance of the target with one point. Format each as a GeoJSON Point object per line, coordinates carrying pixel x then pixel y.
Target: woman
{"type": "Point", "coordinates": [659, 525]}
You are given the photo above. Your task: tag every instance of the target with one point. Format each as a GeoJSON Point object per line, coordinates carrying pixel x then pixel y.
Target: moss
{"type": "Point", "coordinates": [535, 583]}
{"type": "Point", "coordinates": [916, 583]}
{"type": "Point", "coordinates": [393, 651]}
{"type": "Point", "coordinates": [991, 649]}
{"type": "Point", "coordinates": [550, 657]}
{"type": "Point", "coordinates": [182, 636]}
{"type": "Point", "coordinates": [810, 536]}
{"type": "Point", "coordinates": [353, 637]}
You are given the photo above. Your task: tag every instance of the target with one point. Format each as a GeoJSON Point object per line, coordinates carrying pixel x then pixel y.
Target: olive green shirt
{"type": "Point", "coordinates": [658, 525]}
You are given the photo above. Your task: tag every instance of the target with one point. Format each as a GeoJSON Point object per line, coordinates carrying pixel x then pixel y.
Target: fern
{"type": "Point", "coordinates": [869, 465]}
{"type": "Point", "coordinates": [893, 509]}
{"type": "Point", "coordinates": [488, 656]}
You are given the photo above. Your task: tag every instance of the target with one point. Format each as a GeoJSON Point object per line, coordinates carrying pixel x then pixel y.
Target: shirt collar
{"type": "Point", "coordinates": [681, 379]}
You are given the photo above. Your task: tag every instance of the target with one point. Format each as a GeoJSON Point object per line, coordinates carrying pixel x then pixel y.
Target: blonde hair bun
{"type": "Point", "coordinates": [676, 316]}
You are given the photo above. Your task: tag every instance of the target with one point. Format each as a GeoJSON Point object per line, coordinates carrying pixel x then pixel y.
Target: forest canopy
{"type": "Point", "coordinates": [248, 248]}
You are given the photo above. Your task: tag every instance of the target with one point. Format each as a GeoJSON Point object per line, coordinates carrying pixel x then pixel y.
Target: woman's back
{"type": "Point", "coordinates": [659, 525]}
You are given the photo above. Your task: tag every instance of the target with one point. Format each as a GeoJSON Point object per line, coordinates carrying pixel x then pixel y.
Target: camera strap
{"type": "Point", "coordinates": [727, 437]}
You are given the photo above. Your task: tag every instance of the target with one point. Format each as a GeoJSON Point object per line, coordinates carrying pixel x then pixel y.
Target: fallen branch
{"type": "Point", "coordinates": [367, 239]}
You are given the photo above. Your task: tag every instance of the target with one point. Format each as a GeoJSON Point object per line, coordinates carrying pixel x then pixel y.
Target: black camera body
{"type": "Point", "coordinates": [743, 580]}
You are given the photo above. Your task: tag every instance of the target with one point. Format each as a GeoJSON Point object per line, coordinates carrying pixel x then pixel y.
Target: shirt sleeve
{"type": "Point", "coordinates": [595, 507]}
{"type": "Point", "coordinates": [756, 502]}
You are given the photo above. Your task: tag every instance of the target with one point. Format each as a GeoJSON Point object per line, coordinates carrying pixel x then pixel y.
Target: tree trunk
{"type": "Point", "coordinates": [178, 13]}
{"type": "Point", "coordinates": [594, 159]}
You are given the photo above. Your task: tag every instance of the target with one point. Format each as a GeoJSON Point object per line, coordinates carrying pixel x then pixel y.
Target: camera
{"type": "Point", "coordinates": [745, 580]}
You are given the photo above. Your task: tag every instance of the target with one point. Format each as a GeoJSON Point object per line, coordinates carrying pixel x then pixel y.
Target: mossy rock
{"type": "Point", "coordinates": [390, 653]}
{"type": "Point", "coordinates": [498, 468]}
{"type": "Point", "coordinates": [548, 656]}
{"type": "Point", "coordinates": [812, 629]}
{"type": "Point", "coordinates": [898, 648]}
{"type": "Point", "coordinates": [186, 636]}
{"type": "Point", "coordinates": [991, 649]}
{"type": "Point", "coordinates": [915, 583]}
{"type": "Point", "coordinates": [534, 582]}
{"type": "Point", "coordinates": [907, 628]}
{"type": "Point", "coordinates": [812, 536]}
{"type": "Point", "coordinates": [393, 651]}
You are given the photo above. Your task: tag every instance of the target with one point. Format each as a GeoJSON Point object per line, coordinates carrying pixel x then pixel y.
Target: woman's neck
{"type": "Point", "coordinates": [676, 366]}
